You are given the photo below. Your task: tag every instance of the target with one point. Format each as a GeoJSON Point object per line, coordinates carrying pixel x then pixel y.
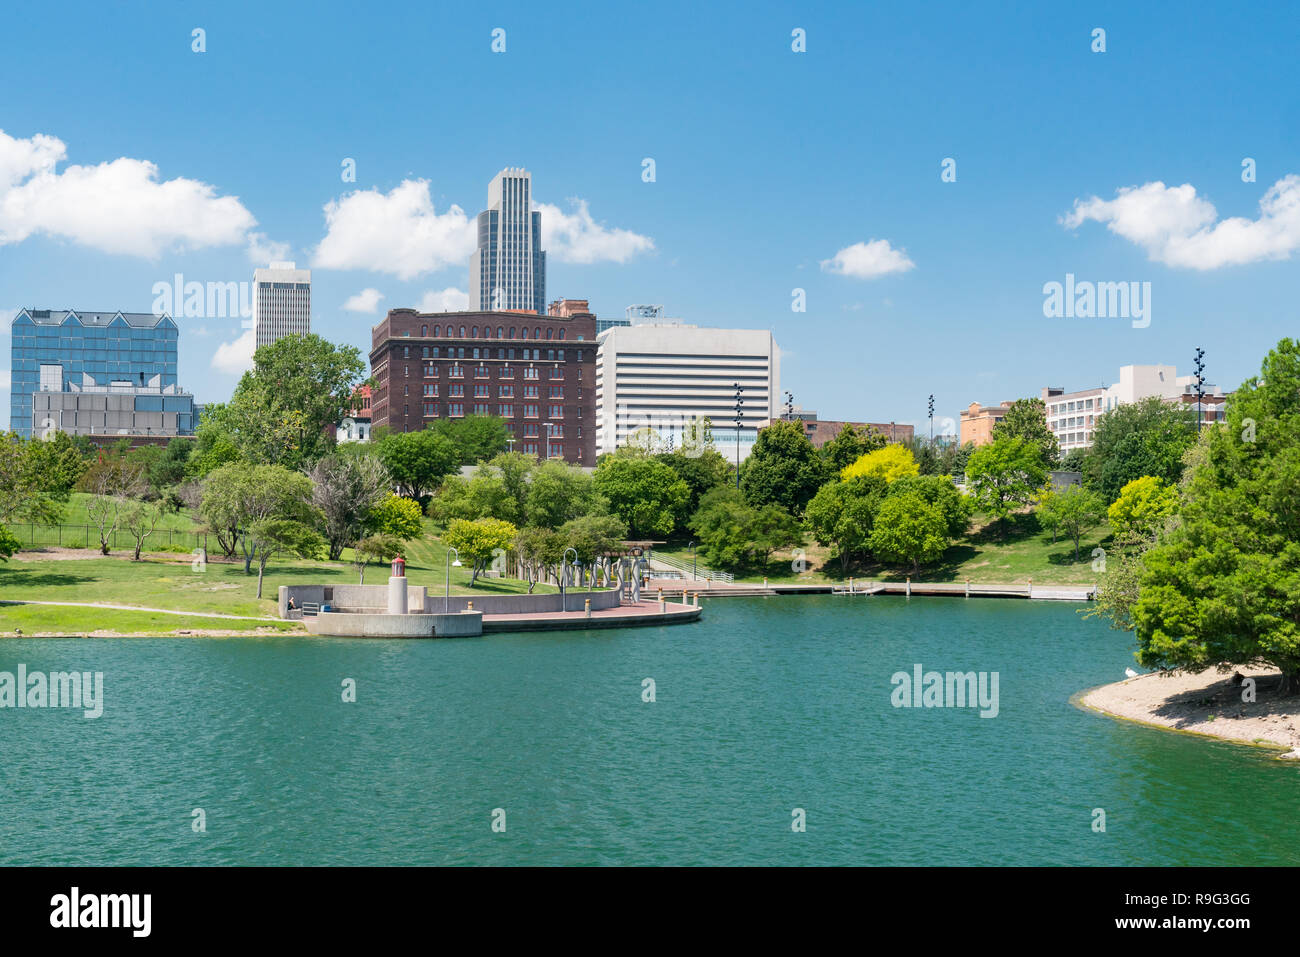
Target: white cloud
{"type": "Point", "coordinates": [577, 238]}
{"type": "Point", "coordinates": [235, 357]}
{"type": "Point", "coordinates": [1181, 229]}
{"type": "Point", "coordinates": [367, 301]}
{"type": "Point", "coordinates": [398, 233]}
{"type": "Point", "coordinates": [115, 207]}
{"type": "Point", "coordinates": [262, 250]}
{"type": "Point", "coordinates": [450, 299]}
{"type": "Point", "coordinates": [869, 260]}
{"type": "Point", "coordinates": [5, 379]}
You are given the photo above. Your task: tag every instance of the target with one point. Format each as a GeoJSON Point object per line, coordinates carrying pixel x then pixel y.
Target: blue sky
{"type": "Point", "coordinates": [768, 164]}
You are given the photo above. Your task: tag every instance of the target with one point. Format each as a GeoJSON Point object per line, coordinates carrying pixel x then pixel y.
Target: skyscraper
{"type": "Point", "coordinates": [281, 302]}
{"type": "Point", "coordinates": [508, 269]}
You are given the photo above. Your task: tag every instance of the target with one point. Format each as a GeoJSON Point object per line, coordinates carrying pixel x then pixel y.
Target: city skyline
{"type": "Point", "coordinates": [920, 284]}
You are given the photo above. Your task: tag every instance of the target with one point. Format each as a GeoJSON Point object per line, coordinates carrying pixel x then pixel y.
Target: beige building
{"type": "Point", "coordinates": [977, 422]}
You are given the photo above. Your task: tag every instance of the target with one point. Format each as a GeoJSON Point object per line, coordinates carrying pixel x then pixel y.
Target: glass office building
{"type": "Point", "coordinates": [96, 373]}
{"type": "Point", "coordinates": [508, 269]}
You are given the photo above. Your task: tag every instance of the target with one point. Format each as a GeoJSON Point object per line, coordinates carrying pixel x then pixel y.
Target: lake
{"type": "Point", "coordinates": [766, 706]}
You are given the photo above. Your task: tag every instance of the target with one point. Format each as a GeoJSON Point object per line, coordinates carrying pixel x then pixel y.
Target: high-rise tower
{"type": "Point", "coordinates": [508, 269]}
{"type": "Point", "coordinates": [281, 302]}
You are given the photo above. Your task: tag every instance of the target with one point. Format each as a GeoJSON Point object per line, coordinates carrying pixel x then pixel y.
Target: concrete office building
{"type": "Point", "coordinates": [663, 375]}
{"type": "Point", "coordinates": [977, 422]}
{"type": "Point", "coordinates": [99, 374]}
{"type": "Point", "coordinates": [1072, 416]}
{"type": "Point", "coordinates": [281, 302]}
{"type": "Point", "coordinates": [508, 269]}
{"type": "Point", "coordinates": [535, 372]}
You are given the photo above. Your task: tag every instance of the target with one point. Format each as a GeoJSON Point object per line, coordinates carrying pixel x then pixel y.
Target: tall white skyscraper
{"type": "Point", "coordinates": [281, 302]}
{"type": "Point", "coordinates": [508, 269]}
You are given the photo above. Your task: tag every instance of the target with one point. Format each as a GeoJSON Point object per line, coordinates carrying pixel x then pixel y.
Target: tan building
{"type": "Point", "coordinates": [821, 431]}
{"type": "Point", "coordinates": [977, 422]}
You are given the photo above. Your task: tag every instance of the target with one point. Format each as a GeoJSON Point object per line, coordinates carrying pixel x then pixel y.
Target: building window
{"type": "Point", "coordinates": [499, 336]}
{"type": "Point", "coordinates": [462, 332]}
{"type": "Point", "coordinates": [474, 333]}
{"type": "Point", "coordinates": [549, 332]}
{"type": "Point", "coordinates": [431, 389]}
{"type": "Point", "coordinates": [456, 390]}
{"type": "Point", "coordinates": [406, 352]}
{"type": "Point", "coordinates": [481, 391]}
{"type": "Point", "coordinates": [435, 352]}
{"type": "Point", "coordinates": [530, 411]}
{"type": "Point", "coordinates": [530, 429]}
{"type": "Point", "coordinates": [506, 391]}
{"type": "Point", "coordinates": [506, 411]}
{"type": "Point", "coordinates": [424, 331]}
{"type": "Point", "coordinates": [437, 330]}
{"type": "Point", "coordinates": [557, 412]}
{"type": "Point", "coordinates": [537, 332]}
{"type": "Point", "coordinates": [456, 408]}
{"type": "Point", "coordinates": [557, 392]}
{"type": "Point", "coordinates": [512, 332]}
{"type": "Point", "coordinates": [562, 331]}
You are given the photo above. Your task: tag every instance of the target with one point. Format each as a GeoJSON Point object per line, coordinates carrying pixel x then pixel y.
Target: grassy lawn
{"type": "Point", "coordinates": [51, 619]}
{"type": "Point", "coordinates": [163, 581]}
{"type": "Point", "coordinates": [985, 556]}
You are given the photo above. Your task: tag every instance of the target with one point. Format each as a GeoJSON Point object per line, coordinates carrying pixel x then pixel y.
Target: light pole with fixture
{"type": "Point", "coordinates": [740, 404]}
{"type": "Point", "coordinates": [446, 607]}
{"type": "Point", "coordinates": [564, 575]}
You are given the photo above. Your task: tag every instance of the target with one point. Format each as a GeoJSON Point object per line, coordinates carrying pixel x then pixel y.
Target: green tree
{"type": "Point", "coordinates": [1006, 475]}
{"type": "Point", "coordinates": [60, 460]}
{"type": "Point", "coordinates": [214, 445]}
{"type": "Point", "coordinates": [593, 537]}
{"type": "Point", "coordinates": [702, 473]}
{"type": "Point", "coordinates": [943, 494]}
{"type": "Point", "coordinates": [850, 444]}
{"type": "Point", "coordinates": [537, 549]}
{"type": "Point", "coordinates": [28, 494]}
{"type": "Point", "coordinates": [282, 409]}
{"type": "Point", "coordinates": [372, 548]}
{"type": "Point", "coordinates": [1148, 437]}
{"type": "Point", "coordinates": [140, 518]}
{"type": "Point", "coordinates": [418, 461]}
{"type": "Point", "coordinates": [783, 468]}
{"type": "Point", "coordinates": [476, 438]}
{"type": "Point", "coordinates": [842, 514]}
{"type": "Point", "coordinates": [1223, 587]}
{"type": "Point", "coordinates": [8, 544]}
{"type": "Point", "coordinates": [347, 489]}
{"type": "Point", "coordinates": [558, 493]}
{"type": "Point", "coordinates": [273, 536]}
{"type": "Point", "coordinates": [732, 533]}
{"type": "Point", "coordinates": [477, 542]}
{"type": "Point", "coordinates": [1073, 511]}
{"type": "Point", "coordinates": [890, 462]}
{"type": "Point", "coordinates": [644, 492]}
{"type": "Point", "coordinates": [238, 496]}
{"type": "Point", "coordinates": [398, 518]}
{"type": "Point", "coordinates": [1027, 419]}
{"type": "Point", "coordinates": [1142, 508]}
{"type": "Point", "coordinates": [908, 529]}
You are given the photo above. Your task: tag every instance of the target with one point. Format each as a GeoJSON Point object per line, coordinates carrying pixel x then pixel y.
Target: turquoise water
{"type": "Point", "coordinates": [764, 706]}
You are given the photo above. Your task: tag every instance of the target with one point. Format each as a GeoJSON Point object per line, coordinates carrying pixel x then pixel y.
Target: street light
{"type": "Point", "coordinates": [740, 403]}
{"type": "Point", "coordinates": [932, 418]}
{"type": "Point", "coordinates": [691, 546]}
{"type": "Point", "coordinates": [564, 574]}
{"type": "Point", "coordinates": [1200, 385]}
{"type": "Point", "coordinates": [446, 606]}
{"type": "Point", "coordinates": [789, 405]}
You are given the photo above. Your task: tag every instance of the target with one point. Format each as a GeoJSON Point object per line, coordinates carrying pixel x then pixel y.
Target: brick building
{"type": "Point", "coordinates": [536, 372]}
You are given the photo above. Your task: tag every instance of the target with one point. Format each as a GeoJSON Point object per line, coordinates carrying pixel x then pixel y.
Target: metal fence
{"type": "Point", "coordinates": [87, 536]}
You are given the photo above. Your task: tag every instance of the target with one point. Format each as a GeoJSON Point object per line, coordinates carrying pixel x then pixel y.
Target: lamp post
{"type": "Point", "coordinates": [564, 574]}
{"type": "Point", "coordinates": [789, 406]}
{"type": "Point", "coordinates": [691, 546]}
{"type": "Point", "coordinates": [932, 418]}
{"type": "Point", "coordinates": [740, 404]}
{"type": "Point", "coordinates": [446, 605]}
{"type": "Point", "coordinates": [1200, 385]}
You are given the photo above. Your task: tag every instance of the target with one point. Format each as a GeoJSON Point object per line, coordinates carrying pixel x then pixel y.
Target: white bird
{"type": "Point", "coordinates": [1130, 673]}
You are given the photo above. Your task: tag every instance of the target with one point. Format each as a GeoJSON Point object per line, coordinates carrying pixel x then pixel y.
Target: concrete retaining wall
{"type": "Point", "coordinates": [364, 598]}
{"type": "Point", "coordinates": [350, 597]}
{"type": "Point", "coordinates": [344, 625]}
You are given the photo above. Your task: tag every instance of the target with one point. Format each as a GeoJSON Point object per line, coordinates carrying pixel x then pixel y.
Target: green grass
{"type": "Point", "coordinates": [221, 586]}
{"type": "Point", "coordinates": [984, 556]}
{"type": "Point", "coordinates": [52, 619]}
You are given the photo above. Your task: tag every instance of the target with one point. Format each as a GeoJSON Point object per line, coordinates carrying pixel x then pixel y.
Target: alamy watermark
{"type": "Point", "coordinates": [58, 689]}
{"type": "Point", "coordinates": [202, 300]}
{"type": "Point", "coordinates": [951, 689]}
{"type": "Point", "coordinates": [1098, 300]}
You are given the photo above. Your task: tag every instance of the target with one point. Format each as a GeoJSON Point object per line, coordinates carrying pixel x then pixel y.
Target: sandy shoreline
{"type": "Point", "coordinates": [1207, 703]}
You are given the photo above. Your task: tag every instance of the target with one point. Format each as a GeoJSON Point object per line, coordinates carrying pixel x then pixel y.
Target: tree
{"type": "Point", "coordinates": [773, 529]}
{"type": "Point", "coordinates": [842, 514]}
{"type": "Point", "coordinates": [1005, 475]}
{"type": "Point", "coordinates": [479, 541]}
{"type": "Point", "coordinates": [733, 533]}
{"type": "Point", "coordinates": [8, 544]}
{"type": "Point", "coordinates": [1223, 586]}
{"type": "Point", "coordinates": [942, 493]}
{"type": "Point", "coordinates": [238, 496]}
{"type": "Point", "coordinates": [702, 470]}
{"type": "Point", "coordinates": [558, 493]}
{"type": "Point", "coordinates": [643, 492]}
{"type": "Point", "coordinates": [214, 446]}
{"type": "Point", "coordinates": [908, 529]}
{"type": "Point", "coordinates": [593, 537]}
{"type": "Point", "coordinates": [282, 409]}
{"type": "Point", "coordinates": [378, 547]}
{"type": "Point", "coordinates": [849, 445]}
{"type": "Point", "coordinates": [398, 518]}
{"type": "Point", "coordinates": [1148, 437]}
{"type": "Point", "coordinates": [110, 482]}
{"type": "Point", "coordinates": [60, 460]}
{"type": "Point", "coordinates": [890, 462]}
{"type": "Point", "coordinates": [28, 493]}
{"type": "Point", "coordinates": [140, 519]}
{"type": "Point", "coordinates": [1142, 508]}
{"type": "Point", "coordinates": [418, 461]}
{"type": "Point", "coordinates": [498, 488]}
{"type": "Point", "coordinates": [537, 548]}
{"type": "Point", "coordinates": [273, 536]}
{"type": "Point", "coordinates": [347, 489]}
{"type": "Point", "coordinates": [1072, 461]}
{"type": "Point", "coordinates": [783, 468]}
{"type": "Point", "coordinates": [1073, 511]}
{"type": "Point", "coordinates": [1027, 419]}
{"type": "Point", "coordinates": [476, 438]}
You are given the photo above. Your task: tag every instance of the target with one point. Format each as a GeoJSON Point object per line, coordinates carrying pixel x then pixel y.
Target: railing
{"type": "Point", "coordinates": [701, 573]}
{"type": "Point", "coordinates": [87, 536]}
